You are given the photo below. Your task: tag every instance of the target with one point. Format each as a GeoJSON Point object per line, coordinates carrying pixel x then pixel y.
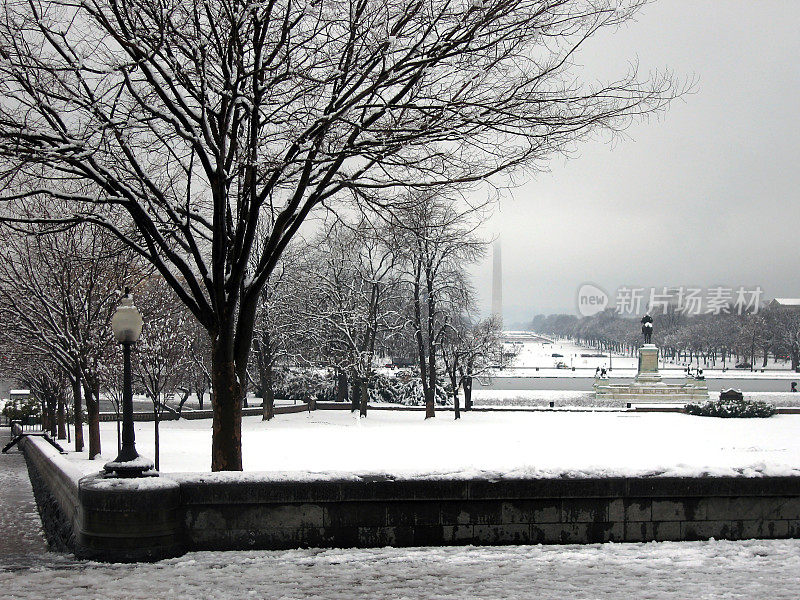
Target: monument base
{"type": "Point", "coordinates": [647, 386]}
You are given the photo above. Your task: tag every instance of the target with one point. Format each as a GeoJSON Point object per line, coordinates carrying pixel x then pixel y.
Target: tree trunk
{"type": "Point", "coordinates": [61, 418]}
{"type": "Point", "coordinates": [52, 416]}
{"type": "Point", "coordinates": [467, 385]}
{"type": "Point", "coordinates": [184, 397]}
{"type": "Point", "coordinates": [226, 401]}
{"type": "Point", "coordinates": [267, 394]}
{"type": "Point", "coordinates": [78, 412]}
{"type": "Point", "coordinates": [363, 399]}
{"type": "Point", "coordinates": [341, 386]}
{"type": "Point", "coordinates": [423, 368]}
{"type": "Point", "coordinates": [264, 363]}
{"type": "Point", "coordinates": [157, 440]}
{"type": "Point", "coordinates": [355, 393]}
{"type": "Point", "coordinates": [49, 413]}
{"type": "Point", "coordinates": [430, 396]}
{"type": "Point", "coordinates": [93, 419]}
{"type": "Point", "coordinates": [456, 405]}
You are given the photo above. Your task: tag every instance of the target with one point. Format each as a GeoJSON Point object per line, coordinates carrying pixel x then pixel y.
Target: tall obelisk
{"type": "Point", "coordinates": [497, 283]}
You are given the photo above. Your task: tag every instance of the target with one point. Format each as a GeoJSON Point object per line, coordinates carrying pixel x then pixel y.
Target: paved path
{"type": "Point", "coordinates": [21, 539]}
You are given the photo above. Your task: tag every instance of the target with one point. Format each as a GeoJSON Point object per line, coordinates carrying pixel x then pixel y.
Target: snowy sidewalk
{"type": "Point", "coordinates": [748, 570]}
{"type": "Point", "coordinates": [21, 538]}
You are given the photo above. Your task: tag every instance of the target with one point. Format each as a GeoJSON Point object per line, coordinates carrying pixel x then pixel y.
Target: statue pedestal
{"type": "Point", "coordinates": [648, 387]}
{"type": "Point", "coordinates": [648, 365]}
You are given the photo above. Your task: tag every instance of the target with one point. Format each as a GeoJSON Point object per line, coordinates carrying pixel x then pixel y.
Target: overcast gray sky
{"type": "Point", "coordinates": [705, 195]}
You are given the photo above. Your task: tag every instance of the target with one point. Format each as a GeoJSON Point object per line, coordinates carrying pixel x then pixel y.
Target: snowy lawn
{"type": "Point", "coordinates": [538, 354]}
{"type": "Point", "coordinates": [754, 569]}
{"type": "Point", "coordinates": [573, 398]}
{"type": "Point", "coordinates": [325, 444]}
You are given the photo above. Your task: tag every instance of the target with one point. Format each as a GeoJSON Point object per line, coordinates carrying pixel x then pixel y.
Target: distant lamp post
{"type": "Point", "coordinates": [127, 327]}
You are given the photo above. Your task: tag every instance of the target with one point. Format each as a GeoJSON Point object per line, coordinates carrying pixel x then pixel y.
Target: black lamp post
{"type": "Point", "coordinates": [127, 326]}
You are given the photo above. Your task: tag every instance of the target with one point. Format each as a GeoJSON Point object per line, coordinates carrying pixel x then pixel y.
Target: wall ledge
{"type": "Point", "coordinates": [153, 518]}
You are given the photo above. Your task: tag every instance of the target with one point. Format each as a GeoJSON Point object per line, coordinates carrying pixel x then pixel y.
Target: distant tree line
{"type": "Point", "coordinates": [711, 339]}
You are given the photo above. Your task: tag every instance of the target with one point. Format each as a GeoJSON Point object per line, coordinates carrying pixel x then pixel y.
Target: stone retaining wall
{"type": "Point", "coordinates": [152, 518]}
{"type": "Point", "coordinates": [231, 515]}
{"type": "Point", "coordinates": [204, 414]}
{"type": "Point", "coordinates": [55, 484]}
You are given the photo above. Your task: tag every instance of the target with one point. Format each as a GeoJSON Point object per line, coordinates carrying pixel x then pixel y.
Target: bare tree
{"type": "Point", "coordinates": [47, 381]}
{"type": "Point", "coordinates": [199, 367]}
{"type": "Point", "coordinates": [786, 324]}
{"type": "Point", "coordinates": [58, 292]}
{"type": "Point", "coordinates": [467, 349]}
{"type": "Point", "coordinates": [111, 386]}
{"type": "Point", "coordinates": [275, 327]}
{"type": "Point", "coordinates": [162, 351]}
{"type": "Point", "coordinates": [354, 284]}
{"type": "Point", "coordinates": [437, 241]}
{"type": "Point", "coordinates": [190, 127]}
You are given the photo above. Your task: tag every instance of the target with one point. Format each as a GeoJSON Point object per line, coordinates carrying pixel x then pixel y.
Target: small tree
{"type": "Point", "coordinates": [161, 352]}
{"type": "Point", "coordinates": [198, 375]}
{"type": "Point", "coordinates": [354, 282]}
{"type": "Point", "coordinates": [277, 327]}
{"type": "Point", "coordinates": [466, 353]}
{"type": "Point", "coordinates": [436, 242]}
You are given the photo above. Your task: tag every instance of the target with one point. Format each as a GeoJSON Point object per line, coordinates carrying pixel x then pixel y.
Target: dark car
{"type": "Point", "coordinates": [557, 355]}
{"type": "Point", "coordinates": [744, 365]}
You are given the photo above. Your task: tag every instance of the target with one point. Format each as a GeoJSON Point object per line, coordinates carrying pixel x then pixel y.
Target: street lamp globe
{"type": "Point", "coordinates": [126, 323]}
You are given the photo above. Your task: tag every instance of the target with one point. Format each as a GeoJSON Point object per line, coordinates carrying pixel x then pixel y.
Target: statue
{"type": "Point", "coordinates": [647, 328]}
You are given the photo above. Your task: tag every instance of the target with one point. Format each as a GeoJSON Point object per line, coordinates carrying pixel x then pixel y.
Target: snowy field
{"type": "Point", "coordinates": [531, 355]}
{"type": "Point", "coordinates": [748, 570]}
{"type": "Point", "coordinates": [325, 444]}
{"type": "Point", "coordinates": [586, 399]}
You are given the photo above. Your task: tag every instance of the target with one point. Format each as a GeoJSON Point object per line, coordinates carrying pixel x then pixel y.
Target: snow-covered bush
{"type": "Point", "coordinates": [24, 410]}
{"type": "Point", "coordinates": [404, 389]}
{"type": "Point", "coordinates": [304, 385]}
{"type": "Point", "coordinates": [738, 407]}
{"type": "Point", "coordinates": [400, 388]}
{"type": "Point", "coordinates": [385, 388]}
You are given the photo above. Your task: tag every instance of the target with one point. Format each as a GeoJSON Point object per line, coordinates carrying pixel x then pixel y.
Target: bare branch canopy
{"type": "Point", "coordinates": [203, 133]}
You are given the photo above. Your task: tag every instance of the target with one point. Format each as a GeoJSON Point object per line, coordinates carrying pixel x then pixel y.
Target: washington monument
{"type": "Point", "coordinates": [497, 283]}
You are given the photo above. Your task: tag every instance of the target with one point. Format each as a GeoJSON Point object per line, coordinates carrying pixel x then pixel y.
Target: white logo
{"type": "Point", "coordinates": [591, 300]}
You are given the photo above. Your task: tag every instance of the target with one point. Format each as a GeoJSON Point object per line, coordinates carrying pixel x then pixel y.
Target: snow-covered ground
{"type": "Point", "coordinates": [532, 355]}
{"type": "Point", "coordinates": [572, 398]}
{"type": "Point", "coordinates": [325, 444]}
{"type": "Point", "coordinates": [484, 397]}
{"type": "Point", "coordinates": [748, 570]}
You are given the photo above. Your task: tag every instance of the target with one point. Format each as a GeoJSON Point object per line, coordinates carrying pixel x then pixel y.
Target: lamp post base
{"type": "Point", "coordinates": [138, 467]}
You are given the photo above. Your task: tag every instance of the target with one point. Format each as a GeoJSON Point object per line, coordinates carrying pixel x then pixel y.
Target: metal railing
{"type": "Point", "coordinates": [24, 423]}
